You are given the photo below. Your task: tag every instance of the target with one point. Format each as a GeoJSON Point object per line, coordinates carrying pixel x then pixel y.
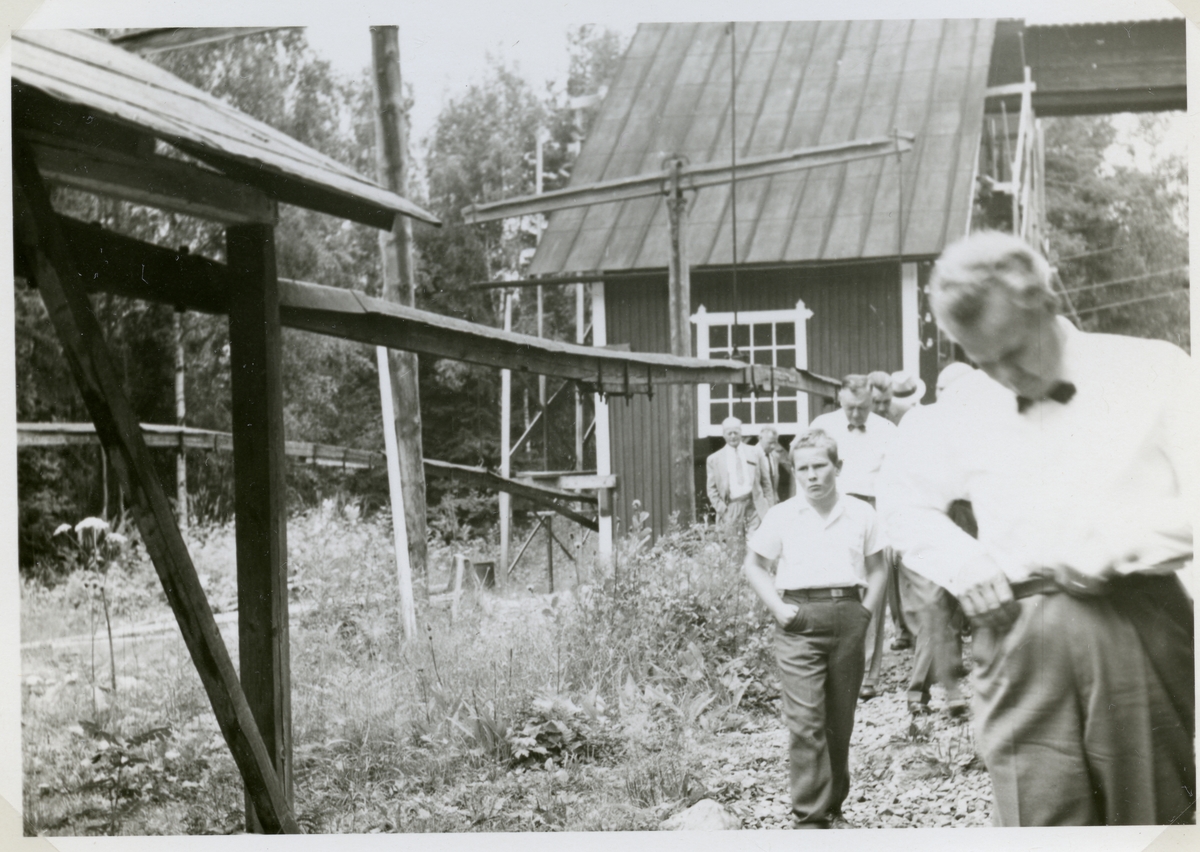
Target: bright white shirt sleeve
{"type": "Point", "coordinates": [917, 484]}
{"type": "Point", "coordinates": [872, 539]}
{"type": "Point", "coordinates": [767, 541]}
{"type": "Point", "coordinates": [1157, 531]}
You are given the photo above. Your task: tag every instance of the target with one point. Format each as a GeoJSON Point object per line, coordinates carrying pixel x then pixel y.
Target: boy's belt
{"type": "Point", "coordinates": [823, 594]}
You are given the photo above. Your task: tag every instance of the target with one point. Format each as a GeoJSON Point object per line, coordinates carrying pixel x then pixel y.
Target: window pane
{"type": "Point", "coordinates": [785, 333]}
{"type": "Point", "coordinates": [762, 356]}
{"type": "Point", "coordinates": [719, 392]}
{"type": "Point", "coordinates": [741, 410]}
{"type": "Point", "coordinates": [741, 336]}
{"type": "Point", "coordinates": [719, 411]}
{"type": "Point", "coordinates": [718, 337]}
{"type": "Point", "coordinates": [787, 411]}
{"type": "Point", "coordinates": [785, 358]}
{"type": "Point", "coordinates": [764, 411]}
{"type": "Point", "coordinates": [762, 334]}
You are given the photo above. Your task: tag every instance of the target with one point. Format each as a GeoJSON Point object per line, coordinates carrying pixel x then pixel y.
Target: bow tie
{"type": "Point", "coordinates": [852, 427]}
{"type": "Point", "coordinates": [1061, 392]}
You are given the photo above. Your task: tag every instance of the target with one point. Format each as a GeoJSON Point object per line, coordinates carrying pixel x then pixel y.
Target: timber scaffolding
{"type": "Point", "coordinates": [91, 116]}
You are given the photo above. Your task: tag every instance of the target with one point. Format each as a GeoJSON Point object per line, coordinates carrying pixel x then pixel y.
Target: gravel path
{"type": "Point", "coordinates": [905, 772]}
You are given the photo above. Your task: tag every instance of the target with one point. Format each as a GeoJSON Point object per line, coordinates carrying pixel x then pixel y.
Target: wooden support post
{"type": "Point", "coordinates": [408, 616]}
{"type": "Point", "coordinates": [683, 422]}
{"type": "Point", "coordinates": [505, 442]}
{"type": "Point", "coordinates": [550, 551]}
{"type": "Point", "coordinates": [260, 491]}
{"type": "Point", "coordinates": [460, 564]}
{"type": "Point", "coordinates": [399, 285]}
{"type": "Point", "coordinates": [604, 536]}
{"type": "Point", "coordinates": [181, 489]}
{"type": "Point", "coordinates": [541, 319]}
{"type": "Point", "coordinates": [580, 318]}
{"type": "Point", "coordinates": [40, 242]}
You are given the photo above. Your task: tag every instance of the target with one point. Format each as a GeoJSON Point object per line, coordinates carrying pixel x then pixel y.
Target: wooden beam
{"type": "Point", "coordinates": [160, 182]}
{"type": "Point", "coordinates": [32, 435]}
{"type": "Point", "coordinates": [200, 284]}
{"type": "Point", "coordinates": [123, 266]}
{"type": "Point", "coordinates": [540, 495]}
{"type": "Point", "coordinates": [260, 494]}
{"type": "Point", "coordinates": [691, 178]}
{"type": "Point", "coordinates": [46, 253]}
{"type": "Point", "coordinates": [161, 39]}
{"type": "Point", "coordinates": [354, 316]}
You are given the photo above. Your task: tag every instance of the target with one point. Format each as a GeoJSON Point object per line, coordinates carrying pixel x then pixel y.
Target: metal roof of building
{"type": "Point", "coordinates": [800, 84]}
{"type": "Point", "coordinates": [79, 68]}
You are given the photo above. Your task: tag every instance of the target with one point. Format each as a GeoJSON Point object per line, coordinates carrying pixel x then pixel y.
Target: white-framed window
{"type": "Point", "coordinates": [778, 338]}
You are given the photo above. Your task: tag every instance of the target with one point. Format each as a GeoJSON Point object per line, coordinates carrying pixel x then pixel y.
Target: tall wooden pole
{"type": "Point", "coordinates": [579, 334]}
{"type": "Point", "coordinates": [604, 538]}
{"type": "Point", "coordinates": [680, 405]}
{"type": "Point", "coordinates": [408, 612]}
{"type": "Point", "coordinates": [260, 492]}
{"type": "Point", "coordinates": [399, 285]}
{"type": "Point", "coordinates": [181, 489]}
{"type": "Point", "coordinates": [505, 447]}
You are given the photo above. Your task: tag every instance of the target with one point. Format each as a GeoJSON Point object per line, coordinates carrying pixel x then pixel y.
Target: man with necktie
{"type": "Point", "coordinates": [1079, 460]}
{"type": "Point", "coordinates": [775, 465]}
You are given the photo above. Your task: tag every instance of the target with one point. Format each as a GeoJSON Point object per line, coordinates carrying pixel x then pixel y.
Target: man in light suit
{"type": "Point", "coordinates": [734, 484]}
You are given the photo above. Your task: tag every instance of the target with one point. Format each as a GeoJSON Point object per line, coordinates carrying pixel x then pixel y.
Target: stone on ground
{"type": "Point", "coordinates": [705, 815]}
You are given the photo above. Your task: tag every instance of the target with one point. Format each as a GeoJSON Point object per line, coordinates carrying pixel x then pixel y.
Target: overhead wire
{"type": "Point", "coordinates": [1134, 301]}
{"type": "Point", "coordinates": [1128, 280]}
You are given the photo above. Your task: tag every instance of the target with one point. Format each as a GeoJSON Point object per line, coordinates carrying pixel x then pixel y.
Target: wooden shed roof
{"type": "Point", "coordinates": [799, 84]}
{"type": "Point", "coordinates": [79, 68]}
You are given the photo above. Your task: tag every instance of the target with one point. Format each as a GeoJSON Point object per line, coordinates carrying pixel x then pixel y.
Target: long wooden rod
{"type": "Point", "coordinates": [691, 178]}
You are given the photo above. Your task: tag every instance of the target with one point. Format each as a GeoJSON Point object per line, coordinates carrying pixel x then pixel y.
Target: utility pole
{"type": "Point", "coordinates": [505, 446]}
{"type": "Point", "coordinates": [399, 285]}
{"type": "Point", "coordinates": [679, 397]}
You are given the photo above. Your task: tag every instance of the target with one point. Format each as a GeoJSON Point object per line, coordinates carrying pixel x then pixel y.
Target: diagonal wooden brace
{"type": "Point", "coordinates": [48, 256]}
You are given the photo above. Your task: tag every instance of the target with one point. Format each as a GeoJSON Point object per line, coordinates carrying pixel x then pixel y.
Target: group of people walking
{"type": "Point", "coordinates": [1044, 501]}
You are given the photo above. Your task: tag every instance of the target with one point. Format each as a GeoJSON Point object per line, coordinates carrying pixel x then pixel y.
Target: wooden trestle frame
{"type": "Point", "coordinates": [86, 114]}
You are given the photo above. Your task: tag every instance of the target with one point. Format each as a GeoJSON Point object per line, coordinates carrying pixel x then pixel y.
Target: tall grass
{"type": "Point", "coordinates": [532, 711]}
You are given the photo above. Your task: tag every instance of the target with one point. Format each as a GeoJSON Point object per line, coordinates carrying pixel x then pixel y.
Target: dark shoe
{"type": "Point", "coordinates": [917, 708]}
{"type": "Point", "coordinates": [867, 692]}
{"type": "Point", "coordinates": [902, 642]}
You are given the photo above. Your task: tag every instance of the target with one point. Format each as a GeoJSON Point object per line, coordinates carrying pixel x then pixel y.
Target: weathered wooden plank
{"type": "Point", "coordinates": [47, 254]}
{"type": "Point", "coordinates": [123, 266]}
{"type": "Point", "coordinates": [158, 40]}
{"type": "Point", "coordinates": [260, 494]}
{"type": "Point", "coordinates": [154, 181]}
{"type": "Point", "coordinates": [200, 284]}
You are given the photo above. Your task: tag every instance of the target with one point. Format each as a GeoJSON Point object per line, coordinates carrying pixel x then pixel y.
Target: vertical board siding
{"type": "Point", "coordinates": [855, 328]}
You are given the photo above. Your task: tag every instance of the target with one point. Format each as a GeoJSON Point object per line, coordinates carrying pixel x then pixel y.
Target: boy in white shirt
{"type": "Point", "coordinates": [827, 552]}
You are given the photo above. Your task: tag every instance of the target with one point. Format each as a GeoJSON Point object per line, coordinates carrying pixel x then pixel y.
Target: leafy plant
{"type": "Point", "coordinates": [120, 769]}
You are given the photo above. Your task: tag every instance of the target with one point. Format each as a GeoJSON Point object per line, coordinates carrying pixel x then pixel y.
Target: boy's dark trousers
{"type": "Point", "coordinates": [820, 656]}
